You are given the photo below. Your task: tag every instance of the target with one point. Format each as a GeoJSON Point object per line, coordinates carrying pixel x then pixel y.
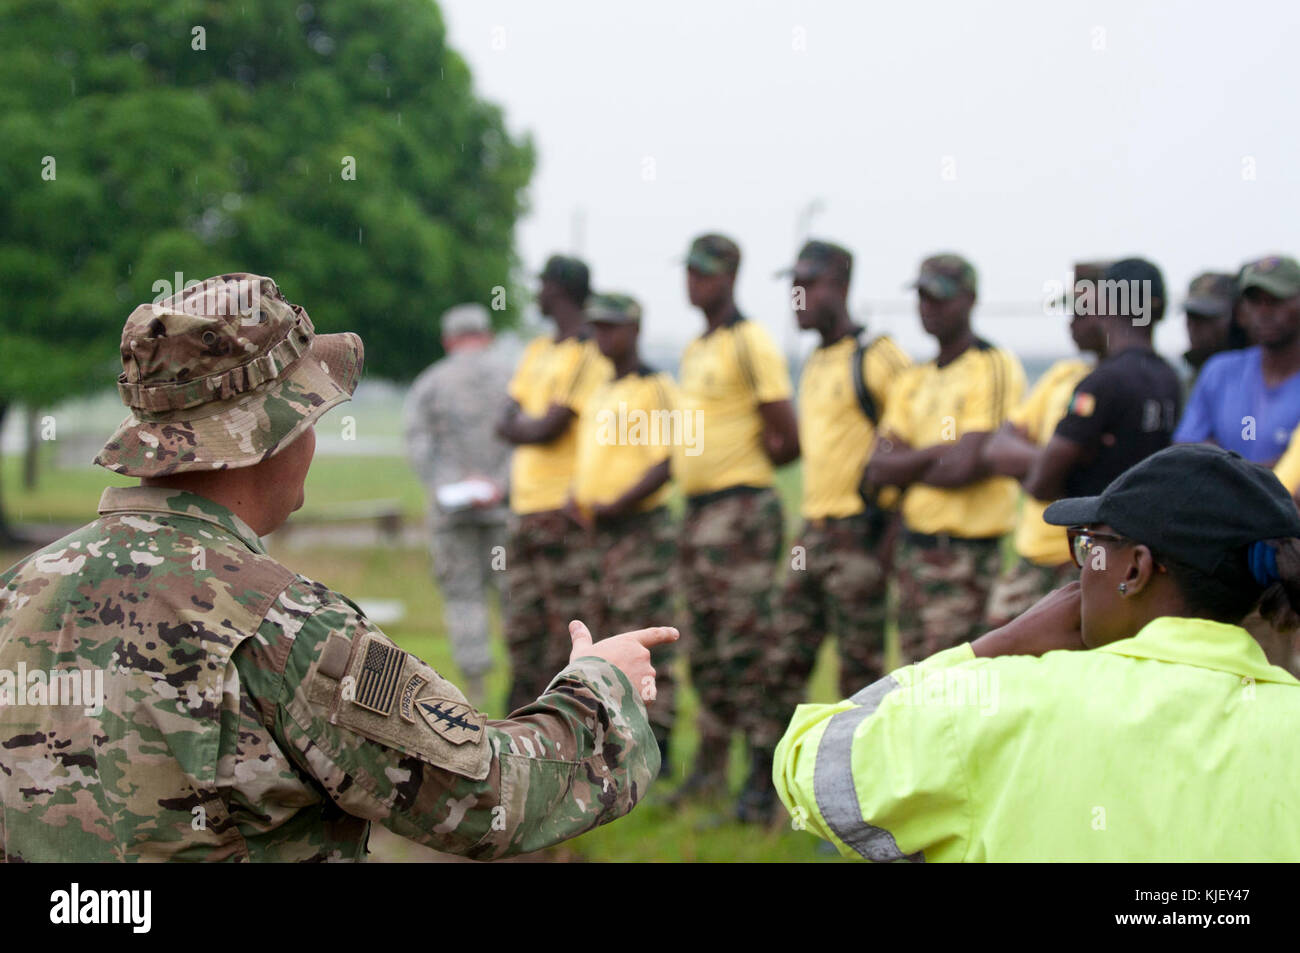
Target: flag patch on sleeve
{"type": "Point", "coordinates": [1083, 404]}
{"type": "Point", "coordinates": [381, 673]}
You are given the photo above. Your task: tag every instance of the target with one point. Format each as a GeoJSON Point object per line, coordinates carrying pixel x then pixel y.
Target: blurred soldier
{"type": "Point", "coordinates": [244, 712]}
{"type": "Point", "coordinates": [1213, 323]}
{"type": "Point", "coordinates": [450, 414]}
{"type": "Point", "coordinates": [1249, 400]}
{"type": "Point", "coordinates": [625, 439]}
{"type": "Point", "coordinates": [1124, 410]}
{"type": "Point", "coordinates": [736, 384]}
{"type": "Point", "coordinates": [547, 559]}
{"type": "Point", "coordinates": [1288, 466]}
{"type": "Point", "coordinates": [839, 571]}
{"type": "Point", "coordinates": [955, 512]}
{"type": "Point", "coordinates": [1043, 560]}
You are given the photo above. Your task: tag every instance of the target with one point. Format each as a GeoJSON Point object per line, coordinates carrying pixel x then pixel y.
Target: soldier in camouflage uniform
{"type": "Point", "coordinates": [836, 583]}
{"type": "Point", "coordinates": [1043, 561]}
{"type": "Point", "coordinates": [1213, 318]}
{"type": "Point", "coordinates": [247, 712]}
{"type": "Point", "coordinates": [954, 511]}
{"type": "Point", "coordinates": [625, 439]}
{"type": "Point", "coordinates": [735, 389]}
{"type": "Point", "coordinates": [547, 559]}
{"type": "Point", "coordinates": [450, 415]}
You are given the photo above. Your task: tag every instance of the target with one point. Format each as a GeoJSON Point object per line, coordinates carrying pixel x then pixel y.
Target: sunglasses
{"type": "Point", "coordinates": [1082, 540]}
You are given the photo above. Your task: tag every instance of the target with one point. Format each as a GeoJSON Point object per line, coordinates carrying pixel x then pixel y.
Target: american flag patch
{"type": "Point", "coordinates": [381, 672]}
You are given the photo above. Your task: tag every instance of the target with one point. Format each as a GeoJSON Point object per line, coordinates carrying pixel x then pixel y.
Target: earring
{"type": "Point", "coordinates": [1123, 588]}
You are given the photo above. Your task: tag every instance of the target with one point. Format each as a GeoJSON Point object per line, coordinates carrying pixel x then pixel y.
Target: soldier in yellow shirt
{"type": "Point", "coordinates": [1043, 560]}
{"type": "Point", "coordinates": [1287, 467]}
{"type": "Point", "coordinates": [735, 383]}
{"type": "Point", "coordinates": [547, 559]}
{"type": "Point", "coordinates": [954, 513]}
{"type": "Point", "coordinates": [838, 572]}
{"type": "Point", "coordinates": [625, 438]}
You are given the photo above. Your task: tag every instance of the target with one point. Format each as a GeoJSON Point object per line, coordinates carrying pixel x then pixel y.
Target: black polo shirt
{"type": "Point", "coordinates": [1121, 413]}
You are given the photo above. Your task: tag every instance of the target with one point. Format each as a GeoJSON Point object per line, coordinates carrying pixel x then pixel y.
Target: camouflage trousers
{"type": "Point", "coordinates": [547, 564]}
{"type": "Point", "coordinates": [943, 585]}
{"type": "Point", "coordinates": [630, 587]}
{"type": "Point", "coordinates": [1021, 585]}
{"type": "Point", "coordinates": [836, 584]}
{"type": "Point", "coordinates": [727, 557]}
{"type": "Point", "coordinates": [462, 547]}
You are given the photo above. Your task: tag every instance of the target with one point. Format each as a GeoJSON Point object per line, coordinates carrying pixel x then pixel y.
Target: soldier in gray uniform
{"type": "Point", "coordinates": [450, 414]}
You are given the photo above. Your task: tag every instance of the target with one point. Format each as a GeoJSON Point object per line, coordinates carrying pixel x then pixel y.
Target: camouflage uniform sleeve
{"type": "Point", "coordinates": [392, 741]}
{"type": "Point", "coordinates": [417, 418]}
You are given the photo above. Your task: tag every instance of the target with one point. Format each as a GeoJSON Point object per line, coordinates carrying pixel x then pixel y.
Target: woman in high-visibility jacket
{"type": "Point", "coordinates": [1167, 735]}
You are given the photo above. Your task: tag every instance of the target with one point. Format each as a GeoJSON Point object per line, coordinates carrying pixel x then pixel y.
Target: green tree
{"type": "Point", "coordinates": [339, 148]}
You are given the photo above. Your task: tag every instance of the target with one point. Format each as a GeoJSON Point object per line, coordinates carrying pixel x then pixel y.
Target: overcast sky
{"type": "Point", "coordinates": [1023, 135]}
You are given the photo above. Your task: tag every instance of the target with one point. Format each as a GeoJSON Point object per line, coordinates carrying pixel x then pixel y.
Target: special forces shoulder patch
{"type": "Point", "coordinates": [456, 722]}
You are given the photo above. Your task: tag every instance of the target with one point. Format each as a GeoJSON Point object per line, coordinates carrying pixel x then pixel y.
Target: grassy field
{"type": "Point", "coordinates": [652, 832]}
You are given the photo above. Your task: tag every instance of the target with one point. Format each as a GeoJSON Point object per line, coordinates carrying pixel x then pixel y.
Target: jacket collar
{"type": "Point", "coordinates": [157, 499]}
{"type": "Point", "coordinates": [1204, 644]}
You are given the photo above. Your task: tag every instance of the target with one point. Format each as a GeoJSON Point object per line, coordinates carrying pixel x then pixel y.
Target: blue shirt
{"type": "Point", "coordinates": [1231, 406]}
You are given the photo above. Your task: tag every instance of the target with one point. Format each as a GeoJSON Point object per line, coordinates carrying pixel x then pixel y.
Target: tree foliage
{"type": "Point", "coordinates": [142, 138]}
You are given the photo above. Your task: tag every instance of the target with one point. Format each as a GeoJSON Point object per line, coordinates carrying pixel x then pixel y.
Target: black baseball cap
{"type": "Point", "coordinates": [1139, 269]}
{"type": "Point", "coordinates": [1194, 503]}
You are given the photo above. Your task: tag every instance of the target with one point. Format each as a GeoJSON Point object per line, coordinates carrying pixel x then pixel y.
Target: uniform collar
{"type": "Point", "coordinates": [855, 335]}
{"type": "Point", "coordinates": [1204, 644]}
{"type": "Point", "coordinates": [733, 318]}
{"type": "Point", "coordinates": [158, 499]}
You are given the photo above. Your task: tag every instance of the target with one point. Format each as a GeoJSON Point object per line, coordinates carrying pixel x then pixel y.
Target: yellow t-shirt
{"type": "Point", "coordinates": [933, 405]}
{"type": "Point", "coordinates": [1287, 467]}
{"type": "Point", "coordinates": [725, 376]}
{"type": "Point", "coordinates": [549, 373]}
{"type": "Point", "coordinates": [629, 425]}
{"type": "Point", "coordinates": [835, 436]}
{"type": "Point", "coordinates": [1039, 414]}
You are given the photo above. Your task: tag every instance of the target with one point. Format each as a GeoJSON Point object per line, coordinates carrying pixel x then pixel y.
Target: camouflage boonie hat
{"type": "Point", "coordinates": [1212, 293]}
{"type": "Point", "coordinates": [222, 375]}
{"type": "Point", "coordinates": [713, 254]}
{"type": "Point", "coordinates": [945, 276]}
{"type": "Point", "coordinates": [613, 309]}
{"type": "Point", "coordinates": [817, 258]}
{"type": "Point", "coordinates": [1279, 275]}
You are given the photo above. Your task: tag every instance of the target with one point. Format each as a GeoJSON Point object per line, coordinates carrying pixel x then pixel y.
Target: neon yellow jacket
{"type": "Point", "coordinates": [1181, 743]}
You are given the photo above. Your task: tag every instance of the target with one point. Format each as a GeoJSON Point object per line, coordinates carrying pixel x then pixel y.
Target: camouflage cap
{"type": "Point", "coordinates": [568, 272]}
{"type": "Point", "coordinates": [1279, 275]}
{"type": "Point", "coordinates": [945, 276]}
{"type": "Point", "coordinates": [222, 375]}
{"type": "Point", "coordinates": [613, 309]}
{"type": "Point", "coordinates": [1212, 294]}
{"type": "Point", "coordinates": [818, 257]}
{"type": "Point", "coordinates": [1090, 271]}
{"type": "Point", "coordinates": [713, 254]}
{"type": "Point", "coordinates": [471, 318]}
